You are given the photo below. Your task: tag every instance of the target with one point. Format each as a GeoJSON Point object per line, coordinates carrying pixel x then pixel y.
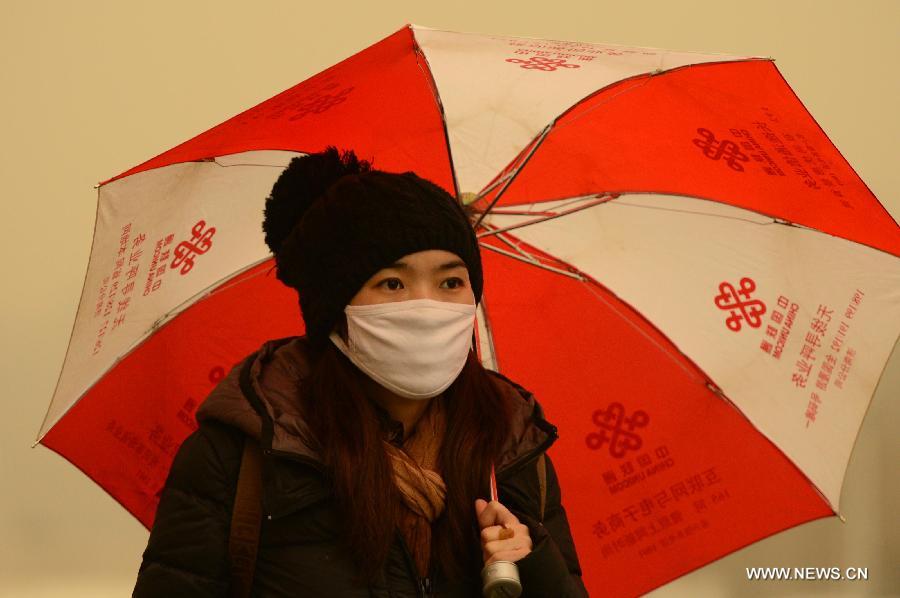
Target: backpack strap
{"type": "Point", "coordinates": [542, 481]}
{"type": "Point", "coordinates": [246, 520]}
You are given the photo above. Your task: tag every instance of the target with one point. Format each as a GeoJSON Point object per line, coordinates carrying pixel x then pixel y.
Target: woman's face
{"type": "Point", "coordinates": [430, 274]}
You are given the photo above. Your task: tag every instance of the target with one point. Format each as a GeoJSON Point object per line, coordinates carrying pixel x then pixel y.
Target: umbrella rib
{"type": "Point", "coordinates": [709, 215]}
{"type": "Point", "coordinates": [518, 248]}
{"type": "Point", "coordinates": [208, 291]}
{"type": "Point", "coordinates": [42, 431]}
{"type": "Point", "coordinates": [643, 79]}
{"type": "Point", "coordinates": [521, 213]}
{"type": "Point", "coordinates": [531, 212]}
{"type": "Point", "coordinates": [589, 283]}
{"type": "Point", "coordinates": [637, 81]}
{"type": "Point", "coordinates": [598, 199]}
{"type": "Point", "coordinates": [514, 256]}
{"type": "Point", "coordinates": [514, 245]}
{"type": "Point", "coordinates": [549, 214]}
{"type": "Point", "coordinates": [515, 172]}
{"type": "Point", "coordinates": [426, 69]}
{"type": "Point", "coordinates": [493, 185]}
{"type": "Point", "coordinates": [528, 257]}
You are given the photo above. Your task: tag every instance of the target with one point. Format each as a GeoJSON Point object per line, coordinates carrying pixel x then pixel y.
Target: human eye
{"type": "Point", "coordinates": [391, 284]}
{"type": "Point", "coordinates": [458, 282]}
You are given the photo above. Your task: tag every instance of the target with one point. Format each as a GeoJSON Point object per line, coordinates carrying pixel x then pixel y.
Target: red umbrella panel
{"type": "Point", "coordinates": [678, 263]}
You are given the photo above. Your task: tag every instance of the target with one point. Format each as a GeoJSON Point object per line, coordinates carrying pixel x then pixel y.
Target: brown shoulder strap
{"type": "Point", "coordinates": [246, 519]}
{"type": "Point", "coordinates": [542, 481]}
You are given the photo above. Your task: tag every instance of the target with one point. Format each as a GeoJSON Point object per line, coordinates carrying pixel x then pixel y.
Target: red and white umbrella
{"type": "Point", "coordinates": [678, 263]}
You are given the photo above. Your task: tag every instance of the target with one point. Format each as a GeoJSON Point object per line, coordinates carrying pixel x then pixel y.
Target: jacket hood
{"type": "Point", "coordinates": [258, 396]}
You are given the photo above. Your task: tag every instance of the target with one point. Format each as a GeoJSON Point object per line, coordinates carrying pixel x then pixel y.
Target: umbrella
{"type": "Point", "coordinates": [679, 264]}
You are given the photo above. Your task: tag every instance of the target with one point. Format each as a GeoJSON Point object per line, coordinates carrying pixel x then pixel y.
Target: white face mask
{"type": "Point", "coordinates": [415, 348]}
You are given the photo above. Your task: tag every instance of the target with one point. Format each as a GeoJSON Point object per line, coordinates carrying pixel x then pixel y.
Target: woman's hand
{"type": "Point", "coordinates": [503, 538]}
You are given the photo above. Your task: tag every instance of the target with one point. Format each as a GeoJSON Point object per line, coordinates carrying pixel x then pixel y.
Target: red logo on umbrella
{"type": "Point", "coordinates": [748, 310]}
{"type": "Point", "coordinates": [319, 102]}
{"type": "Point", "coordinates": [716, 150]}
{"type": "Point", "coordinates": [540, 63]}
{"type": "Point", "coordinates": [200, 243]}
{"type": "Point", "coordinates": [617, 429]}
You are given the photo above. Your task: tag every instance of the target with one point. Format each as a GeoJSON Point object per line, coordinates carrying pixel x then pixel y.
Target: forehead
{"type": "Point", "coordinates": [429, 259]}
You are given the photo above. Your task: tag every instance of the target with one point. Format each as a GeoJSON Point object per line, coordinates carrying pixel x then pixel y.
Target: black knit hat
{"type": "Point", "coordinates": [333, 222]}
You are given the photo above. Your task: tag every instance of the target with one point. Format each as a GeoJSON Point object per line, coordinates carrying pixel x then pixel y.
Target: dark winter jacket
{"type": "Point", "coordinates": [300, 551]}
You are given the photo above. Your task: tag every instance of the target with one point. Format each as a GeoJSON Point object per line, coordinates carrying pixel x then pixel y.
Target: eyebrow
{"type": "Point", "coordinates": [399, 265]}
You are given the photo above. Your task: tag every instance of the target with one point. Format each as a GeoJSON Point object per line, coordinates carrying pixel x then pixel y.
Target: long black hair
{"type": "Point", "coordinates": [349, 431]}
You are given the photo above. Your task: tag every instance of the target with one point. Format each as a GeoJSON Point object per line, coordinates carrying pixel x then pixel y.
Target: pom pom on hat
{"type": "Point", "coordinates": [304, 180]}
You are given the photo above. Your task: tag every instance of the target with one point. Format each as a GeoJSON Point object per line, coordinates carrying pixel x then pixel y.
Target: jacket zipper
{"type": "Point", "coordinates": [423, 584]}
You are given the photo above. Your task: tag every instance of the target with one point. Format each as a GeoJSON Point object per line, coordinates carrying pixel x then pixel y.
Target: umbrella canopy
{"type": "Point", "coordinates": [678, 263]}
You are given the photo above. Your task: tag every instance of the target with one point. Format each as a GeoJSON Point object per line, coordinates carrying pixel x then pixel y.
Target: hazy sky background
{"type": "Point", "coordinates": [92, 88]}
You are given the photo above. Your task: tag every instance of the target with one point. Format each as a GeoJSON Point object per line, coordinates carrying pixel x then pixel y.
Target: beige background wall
{"type": "Point", "coordinates": [91, 88]}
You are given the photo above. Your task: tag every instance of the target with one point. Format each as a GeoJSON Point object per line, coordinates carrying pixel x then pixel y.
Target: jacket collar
{"type": "Point", "coordinates": [258, 397]}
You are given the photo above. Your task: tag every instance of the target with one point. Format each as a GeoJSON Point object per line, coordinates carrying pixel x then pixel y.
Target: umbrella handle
{"type": "Point", "coordinates": [500, 579]}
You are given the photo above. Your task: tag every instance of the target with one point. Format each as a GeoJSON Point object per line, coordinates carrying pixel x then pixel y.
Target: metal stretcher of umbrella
{"type": "Point", "coordinates": [678, 263]}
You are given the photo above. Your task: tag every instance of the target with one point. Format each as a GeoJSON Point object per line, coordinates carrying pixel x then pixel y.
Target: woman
{"type": "Point", "coordinates": [379, 426]}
